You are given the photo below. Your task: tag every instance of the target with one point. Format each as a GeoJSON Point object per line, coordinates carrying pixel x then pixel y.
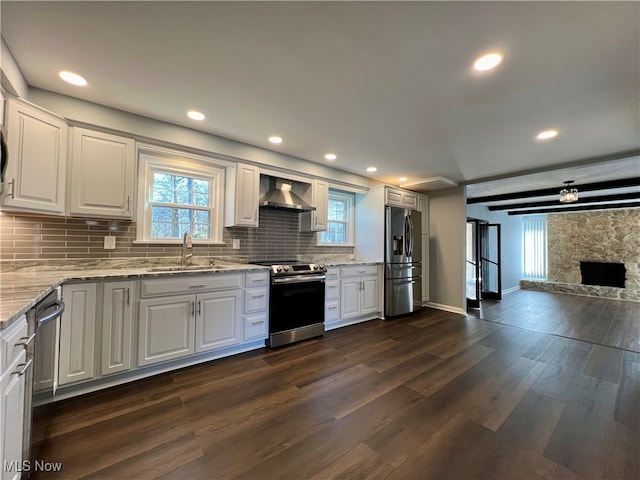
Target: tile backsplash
{"type": "Point", "coordinates": [40, 237]}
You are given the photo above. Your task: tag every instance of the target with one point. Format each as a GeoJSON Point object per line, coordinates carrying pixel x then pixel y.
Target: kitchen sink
{"type": "Point", "coordinates": [190, 268]}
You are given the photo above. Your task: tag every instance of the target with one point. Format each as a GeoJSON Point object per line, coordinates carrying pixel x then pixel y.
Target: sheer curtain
{"type": "Point", "coordinates": [534, 247]}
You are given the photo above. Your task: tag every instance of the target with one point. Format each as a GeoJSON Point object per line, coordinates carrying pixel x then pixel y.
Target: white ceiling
{"type": "Point", "coordinates": [385, 84]}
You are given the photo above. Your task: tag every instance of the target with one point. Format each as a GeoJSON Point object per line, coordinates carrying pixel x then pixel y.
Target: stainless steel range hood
{"type": "Point", "coordinates": [280, 195]}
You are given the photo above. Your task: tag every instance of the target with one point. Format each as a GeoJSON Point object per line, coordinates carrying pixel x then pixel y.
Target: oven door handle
{"type": "Point", "coordinates": [53, 315]}
{"type": "Point", "coordinates": [299, 279]}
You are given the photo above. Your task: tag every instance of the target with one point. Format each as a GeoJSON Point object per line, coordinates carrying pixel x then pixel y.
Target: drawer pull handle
{"type": "Point", "coordinates": [333, 308]}
{"type": "Point", "coordinates": [200, 285]}
{"type": "Point", "coordinates": [259, 296]}
{"type": "Point", "coordinates": [23, 368]}
{"type": "Point", "coordinates": [26, 341]}
{"type": "Point", "coordinates": [258, 322]}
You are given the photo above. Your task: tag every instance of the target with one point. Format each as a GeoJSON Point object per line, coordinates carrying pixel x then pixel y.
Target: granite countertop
{"type": "Point", "coordinates": [24, 284]}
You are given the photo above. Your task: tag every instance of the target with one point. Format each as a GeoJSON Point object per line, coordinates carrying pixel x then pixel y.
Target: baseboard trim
{"type": "Point", "coordinates": [446, 308]}
{"type": "Point", "coordinates": [509, 290]}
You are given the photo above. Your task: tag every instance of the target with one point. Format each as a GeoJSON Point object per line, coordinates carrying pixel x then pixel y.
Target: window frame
{"type": "Point", "coordinates": [349, 199]}
{"type": "Point", "coordinates": [192, 166]}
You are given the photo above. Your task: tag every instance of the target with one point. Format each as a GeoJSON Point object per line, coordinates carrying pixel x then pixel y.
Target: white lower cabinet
{"type": "Point", "coordinates": [117, 326]}
{"type": "Point", "coordinates": [77, 333]}
{"type": "Point", "coordinates": [175, 326]}
{"type": "Point", "coordinates": [359, 293]}
{"type": "Point", "coordinates": [218, 320]}
{"type": "Point", "coordinates": [166, 328]}
{"type": "Point", "coordinates": [12, 392]}
{"type": "Point", "coordinates": [122, 327]}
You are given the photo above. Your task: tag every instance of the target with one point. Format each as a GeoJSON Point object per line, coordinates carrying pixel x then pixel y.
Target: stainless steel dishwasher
{"type": "Point", "coordinates": [43, 321]}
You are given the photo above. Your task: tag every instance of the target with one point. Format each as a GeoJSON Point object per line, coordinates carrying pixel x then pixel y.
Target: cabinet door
{"type": "Point", "coordinates": [350, 298]}
{"type": "Point", "coordinates": [77, 333]}
{"type": "Point", "coordinates": [243, 196]}
{"type": "Point", "coordinates": [316, 220]}
{"type": "Point", "coordinates": [369, 295]}
{"type": "Point", "coordinates": [393, 198]}
{"type": "Point", "coordinates": [321, 202]}
{"type": "Point", "coordinates": [218, 320]}
{"type": "Point", "coordinates": [117, 322]}
{"type": "Point", "coordinates": [166, 328]}
{"type": "Point", "coordinates": [102, 171]}
{"type": "Point", "coordinates": [12, 391]}
{"type": "Point", "coordinates": [410, 200]}
{"type": "Point", "coordinates": [36, 173]}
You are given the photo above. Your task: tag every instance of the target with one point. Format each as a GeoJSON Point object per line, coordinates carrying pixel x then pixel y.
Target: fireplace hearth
{"type": "Point", "coordinates": [606, 274]}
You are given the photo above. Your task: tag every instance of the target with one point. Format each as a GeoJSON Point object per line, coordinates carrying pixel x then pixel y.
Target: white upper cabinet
{"type": "Point", "coordinates": [242, 196]}
{"type": "Point", "coordinates": [102, 175]}
{"type": "Point", "coordinates": [36, 174]}
{"type": "Point", "coordinates": [316, 220]}
{"type": "Point", "coordinates": [401, 198]}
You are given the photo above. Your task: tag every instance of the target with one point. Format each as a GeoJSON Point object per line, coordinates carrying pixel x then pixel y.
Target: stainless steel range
{"type": "Point", "coordinates": [296, 302]}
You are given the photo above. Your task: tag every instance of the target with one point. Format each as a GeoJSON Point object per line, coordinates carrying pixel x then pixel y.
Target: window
{"type": "Point", "coordinates": [180, 195]}
{"type": "Point", "coordinates": [339, 220]}
{"type": "Point", "coordinates": [534, 247]}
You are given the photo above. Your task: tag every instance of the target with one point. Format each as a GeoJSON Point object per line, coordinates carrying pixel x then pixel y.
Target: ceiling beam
{"type": "Point", "coordinates": [602, 206]}
{"type": "Point", "coordinates": [583, 200]}
{"type": "Point", "coordinates": [585, 187]}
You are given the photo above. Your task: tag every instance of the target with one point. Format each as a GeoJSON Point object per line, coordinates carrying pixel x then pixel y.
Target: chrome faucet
{"type": "Point", "coordinates": [187, 249]}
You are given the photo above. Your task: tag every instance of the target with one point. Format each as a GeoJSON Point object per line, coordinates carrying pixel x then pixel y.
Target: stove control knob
{"type": "Point", "coordinates": [278, 269]}
{"type": "Point", "coordinates": [322, 266]}
{"type": "Point", "coordinates": [315, 267]}
{"type": "Point", "coordinates": [286, 268]}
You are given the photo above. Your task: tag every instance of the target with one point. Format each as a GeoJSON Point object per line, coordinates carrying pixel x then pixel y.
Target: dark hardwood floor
{"type": "Point", "coordinates": [435, 395]}
{"type": "Point", "coordinates": [611, 323]}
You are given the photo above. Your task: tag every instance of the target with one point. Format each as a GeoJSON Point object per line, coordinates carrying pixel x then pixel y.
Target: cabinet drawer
{"type": "Point", "coordinates": [189, 284]}
{"type": "Point", "coordinates": [257, 279]}
{"type": "Point", "coordinates": [9, 349]}
{"type": "Point", "coordinates": [333, 273]}
{"type": "Point", "coordinates": [358, 271]}
{"type": "Point", "coordinates": [332, 312]}
{"type": "Point", "coordinates": [332, 290]}
{"type": "Point", "coordinates": [255, 326]}
{"type": "Point", "coordinates": [256, 299]}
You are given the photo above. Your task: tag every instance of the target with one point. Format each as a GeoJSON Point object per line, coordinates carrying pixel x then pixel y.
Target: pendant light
{"type": "Point", "coordinates": [568, 194]}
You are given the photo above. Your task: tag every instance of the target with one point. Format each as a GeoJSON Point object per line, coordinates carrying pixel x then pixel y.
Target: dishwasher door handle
{"type": "Point", "coordinates": [53, 315]}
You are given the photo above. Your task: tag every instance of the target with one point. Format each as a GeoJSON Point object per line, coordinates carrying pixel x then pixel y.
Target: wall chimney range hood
{"type": "Point", "coordinates": [281, 196]}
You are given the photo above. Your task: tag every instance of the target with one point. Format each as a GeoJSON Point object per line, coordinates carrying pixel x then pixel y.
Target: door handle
{"type": "Point", "coordinates": [26, 341]}
{"type": "Point", "coordinates": [13, 188]}
{"type": "Point", "coordinates": [23, 368]}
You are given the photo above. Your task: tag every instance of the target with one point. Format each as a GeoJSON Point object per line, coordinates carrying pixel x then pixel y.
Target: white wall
{"type": "Point", "coordinates": [511, 242]}
{"type": "Point", "coordinates": [447, 249]}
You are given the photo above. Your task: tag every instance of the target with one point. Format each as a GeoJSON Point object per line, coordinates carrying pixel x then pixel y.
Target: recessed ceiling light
{"type": "Point", "coordinates": [73, 78]}
{"type": "Point", "coordinates": [372, 169]}
{"type": "Point", "coordinates": [547, 134]}
{"type": "Point", "coordinates": [275, 139]}
{"type": "Point", "coordinates": [330, 156]}
{"type": "Point", "coordinates": [195, 115]}
{"type": "Point", "coordinates": [488, 61]}
{"type": "Point", "coordinates": [402, 179]}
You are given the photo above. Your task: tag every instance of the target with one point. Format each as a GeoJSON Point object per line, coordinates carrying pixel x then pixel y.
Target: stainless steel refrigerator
{"type": "Point", "coordinates": [403, 261]}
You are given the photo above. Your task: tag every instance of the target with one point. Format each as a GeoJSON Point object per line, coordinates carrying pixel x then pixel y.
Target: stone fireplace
{"type": "Point", "coordinates": [599, 239]}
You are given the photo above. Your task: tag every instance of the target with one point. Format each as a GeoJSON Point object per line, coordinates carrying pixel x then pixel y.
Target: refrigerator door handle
{"type": "Point", "coordinates": [408, 236]}
{"type": "Point", "coordinates": [403, 282]}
